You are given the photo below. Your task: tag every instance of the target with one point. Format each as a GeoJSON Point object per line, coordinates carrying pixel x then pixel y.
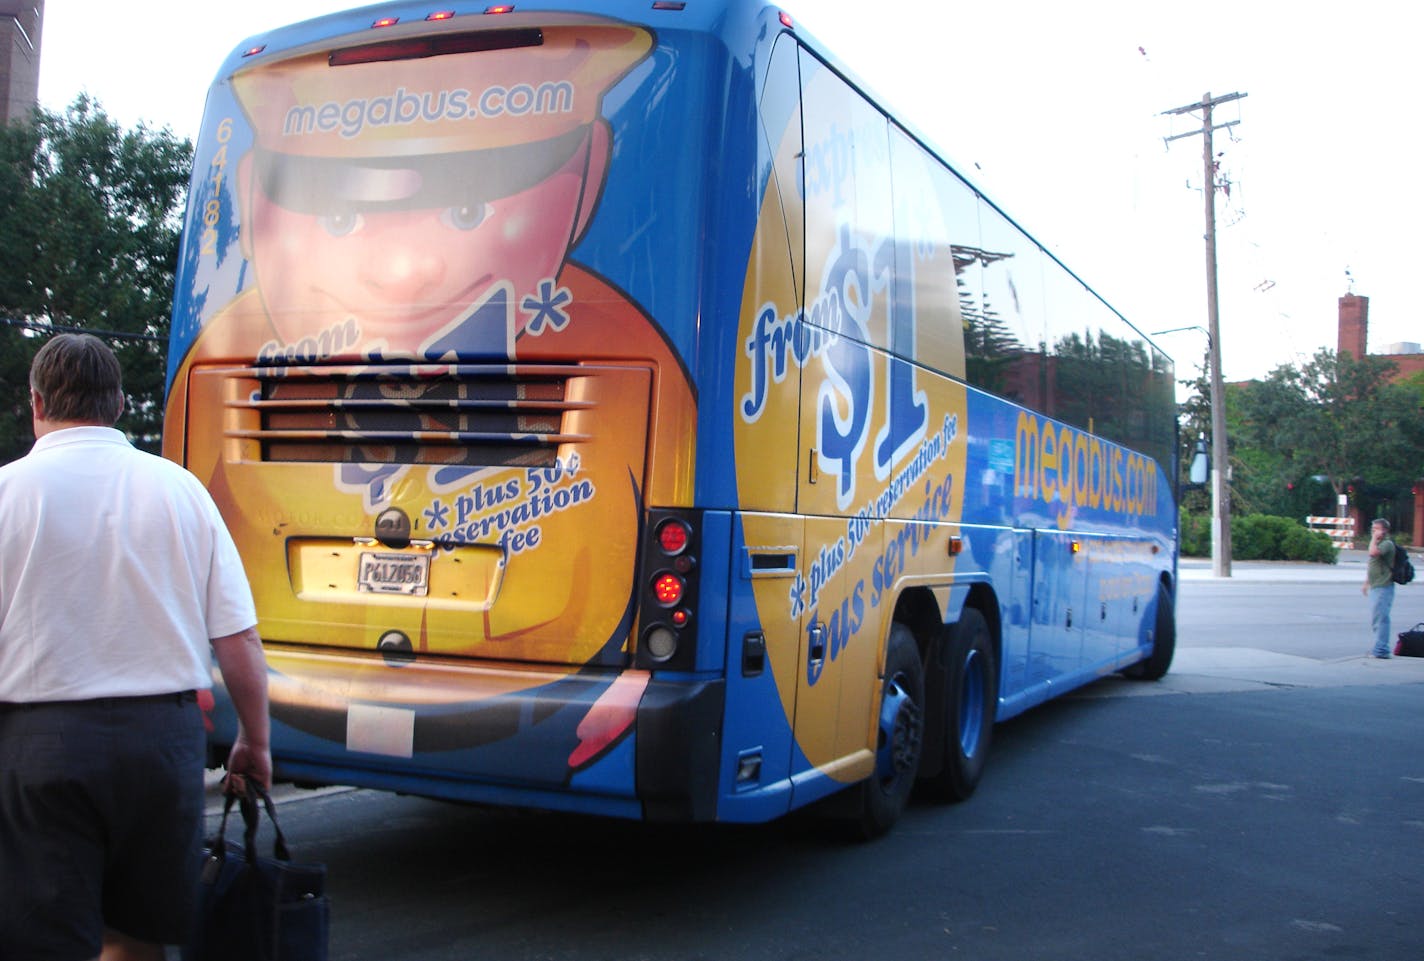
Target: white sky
{"type": "Point", "coordinates": [1054, 109]}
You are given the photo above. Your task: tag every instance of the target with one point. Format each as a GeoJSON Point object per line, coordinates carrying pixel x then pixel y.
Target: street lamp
{"type": "Point", "coordinates": [1220, 496]}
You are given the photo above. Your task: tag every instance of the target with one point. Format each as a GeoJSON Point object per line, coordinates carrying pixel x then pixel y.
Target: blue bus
{"type": "Point", "coordinates": [619, 410]}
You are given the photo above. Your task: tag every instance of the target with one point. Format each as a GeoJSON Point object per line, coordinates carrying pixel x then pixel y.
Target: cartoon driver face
{"type": "Point", "coordinates": [414, 206]}
{"type": "Point", "coordinates": [405, 250]}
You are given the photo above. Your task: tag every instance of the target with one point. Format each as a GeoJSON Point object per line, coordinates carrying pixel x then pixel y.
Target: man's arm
{"type": "Point", "coordinates": [244, 672]}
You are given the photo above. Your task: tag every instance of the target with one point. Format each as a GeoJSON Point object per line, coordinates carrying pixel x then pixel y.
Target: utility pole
{"type": "Point", "coordinates": [1220, 496]}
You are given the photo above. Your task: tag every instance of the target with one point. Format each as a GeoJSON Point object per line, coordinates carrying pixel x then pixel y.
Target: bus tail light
{"type": "Point", "coordinates": [673, 537]}
{"type": "Point", "coordinates": [415, 48]}
{"type": "Point", "coordinates": [668, 596]}
{"type": "Point", "coordinates": [668, 589]}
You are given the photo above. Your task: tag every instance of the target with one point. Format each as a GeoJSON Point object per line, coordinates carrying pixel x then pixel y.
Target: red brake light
{"type": "Point", "coordinates": [673, 537]}
{"type": "Point", "coordinates": [386, 22]}
{"type": "Point", "coordinates": [668, 589]}
{"type": "Point", "coordinates": [680, 617]}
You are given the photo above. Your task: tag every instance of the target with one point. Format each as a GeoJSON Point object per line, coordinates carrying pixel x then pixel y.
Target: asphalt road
{"type": "Point", "coordinates": [1264, 801]}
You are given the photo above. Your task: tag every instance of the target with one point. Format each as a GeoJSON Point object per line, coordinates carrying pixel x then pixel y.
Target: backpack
{"type": "Point", "coordinates": [1402, 572]}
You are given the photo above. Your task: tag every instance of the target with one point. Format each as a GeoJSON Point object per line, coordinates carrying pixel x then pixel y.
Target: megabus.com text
{"type": "Point", "coordinates": [1055, 463]}
{"type": "Point", "coordinates": [401, 107]}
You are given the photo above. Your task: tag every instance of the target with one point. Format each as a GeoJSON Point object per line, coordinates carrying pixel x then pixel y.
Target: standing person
{"type": "Point", "coordinates": [116, 574]}
{"type": "Point", "coordinates": [1379, 584]}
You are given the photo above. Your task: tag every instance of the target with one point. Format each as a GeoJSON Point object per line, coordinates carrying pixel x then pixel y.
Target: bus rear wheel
{"type": "Point", "coordinates": [1164, 641]}
{"type": "Point", "coordinates": [900, 738]}
{"type": "Point", "coordinates": [970, 705]}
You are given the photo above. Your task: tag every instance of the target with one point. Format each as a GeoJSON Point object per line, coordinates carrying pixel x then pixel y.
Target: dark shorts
{"type": "Point", "coordinates": [101, 817]}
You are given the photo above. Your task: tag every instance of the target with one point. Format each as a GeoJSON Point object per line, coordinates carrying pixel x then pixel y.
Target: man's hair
{"type": "Point", "coordinates": [1381, 522]}
{"type": "Point", "coordinates": [78, 378]}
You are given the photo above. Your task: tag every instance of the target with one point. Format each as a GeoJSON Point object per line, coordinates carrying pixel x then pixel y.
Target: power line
{"type": "Point", "coordinates": [65, 329]}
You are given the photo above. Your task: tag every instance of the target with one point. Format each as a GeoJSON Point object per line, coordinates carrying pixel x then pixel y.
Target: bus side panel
{"type": "Point", "coordinates": [764, 660]}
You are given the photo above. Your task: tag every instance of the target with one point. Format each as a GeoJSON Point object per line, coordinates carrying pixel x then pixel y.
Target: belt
{"type": "Point", "coordinates": [177, 697]}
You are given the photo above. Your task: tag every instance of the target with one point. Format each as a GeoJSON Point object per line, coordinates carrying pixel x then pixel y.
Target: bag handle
{"type": "Point", "coordinates": [247, 804]}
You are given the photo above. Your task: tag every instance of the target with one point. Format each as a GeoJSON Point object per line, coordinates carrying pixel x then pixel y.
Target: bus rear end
{"type": "Point", "coordinates": [455, 457]}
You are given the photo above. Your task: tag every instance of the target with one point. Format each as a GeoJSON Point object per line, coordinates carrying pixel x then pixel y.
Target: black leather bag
{"type": "Point", "coordinates": [1411, 642]}
{"type": "Point", "coordinates": [256, 908]}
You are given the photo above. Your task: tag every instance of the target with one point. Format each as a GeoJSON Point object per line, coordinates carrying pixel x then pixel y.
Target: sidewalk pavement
{"type": "Point", "coordinates": [281, 791]}
{"type": "Point", "coordinates": [1349, 567]}
{"type": "Point", "coordinates": [1199, 670]}
{"type": "Point", "coordinates": [1220, 670]}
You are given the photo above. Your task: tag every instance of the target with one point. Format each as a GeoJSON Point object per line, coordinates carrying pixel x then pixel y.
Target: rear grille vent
{"type": "Point", "coordinates": [459, 414]}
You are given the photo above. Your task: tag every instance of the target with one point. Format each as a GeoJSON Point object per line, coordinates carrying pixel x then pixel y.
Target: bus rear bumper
{"type": "Point", "coordinates": [679, 743]}
{"type": "Point", "coordinates": [603, 741]}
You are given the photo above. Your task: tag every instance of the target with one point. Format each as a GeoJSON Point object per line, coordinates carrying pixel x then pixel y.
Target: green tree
{"type": "Point", "coordinates": [90, 224]}
{"type": "Point", "coordinates": [1338, 418]}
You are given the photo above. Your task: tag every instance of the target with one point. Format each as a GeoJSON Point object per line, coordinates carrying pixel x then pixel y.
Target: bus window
{"type": "Point", "coordinates": [935, 219]}
{"type": "Point", "coordinates": [1010, 338]}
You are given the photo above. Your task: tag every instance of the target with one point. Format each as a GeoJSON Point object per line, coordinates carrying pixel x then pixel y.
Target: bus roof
{"type": "Point", "coordinates": [723, 18]}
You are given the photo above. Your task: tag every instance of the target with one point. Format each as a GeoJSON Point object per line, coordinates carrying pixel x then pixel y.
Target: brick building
{"type": "Point", "coordinates": [1353, 338]}
{"type": "Point", "coordinates": [21, 22]}
{"type": "Point", "coordinates": [1354, 331]}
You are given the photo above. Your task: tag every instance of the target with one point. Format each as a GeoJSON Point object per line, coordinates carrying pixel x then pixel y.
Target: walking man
{"type": "Point", "coordinates": [1379, 584]}
{"type": "Point", "coordinates": [118, 583]}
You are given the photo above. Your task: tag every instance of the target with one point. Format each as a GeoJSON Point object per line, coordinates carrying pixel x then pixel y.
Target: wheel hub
{"type": "Point", "coordinates": [901, 729]}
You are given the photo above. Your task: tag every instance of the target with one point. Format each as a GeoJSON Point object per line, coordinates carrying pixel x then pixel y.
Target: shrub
{"type": "Point", "coordinates": [1258, 537]}
{"type": "Point", "coordinates": [1301, 544]}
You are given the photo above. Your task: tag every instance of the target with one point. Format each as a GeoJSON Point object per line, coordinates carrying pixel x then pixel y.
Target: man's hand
{"type": "Point", "coordinates": [244, 671]}
{"type": "Point", "coordinates": [248, 761]}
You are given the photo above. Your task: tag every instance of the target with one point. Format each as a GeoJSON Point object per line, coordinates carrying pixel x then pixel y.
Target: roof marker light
{"type": "Point", "coordinates": [786, 21]}
{"type": "Point", "coordinates": [501, 8]}
{"type": "Point", "coordinates": [669, 5]}
{"type": "Point", "coordinates": [441, 15]}
{"type": "Point", "coordinates": [254, 51]}
{"type": "Point", "coordinates": [385, 22]}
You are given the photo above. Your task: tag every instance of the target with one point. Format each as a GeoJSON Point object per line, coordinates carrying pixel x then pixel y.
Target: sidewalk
{"type": "Point", "coordinates": [1350, 567]}
{"type": "Point", "coordinates": [281, 791]}
{"type": "Point", "coordinates": [1220, 670]}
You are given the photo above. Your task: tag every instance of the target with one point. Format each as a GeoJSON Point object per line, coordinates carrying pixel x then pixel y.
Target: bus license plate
{"type": "Point", "coordinates": [394, 573]}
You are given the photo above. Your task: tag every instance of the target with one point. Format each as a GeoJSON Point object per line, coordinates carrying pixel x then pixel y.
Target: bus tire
{"type": "Point", "coordinates": [1164, 641]}
{"type": "Point", "coordinates": [970, 706]}
{"type": "Point", "coordinates": [901, 736]}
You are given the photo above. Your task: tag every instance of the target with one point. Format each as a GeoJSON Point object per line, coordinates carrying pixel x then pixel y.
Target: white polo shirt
{"type": "Point", "coordinates": [115, 571]}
